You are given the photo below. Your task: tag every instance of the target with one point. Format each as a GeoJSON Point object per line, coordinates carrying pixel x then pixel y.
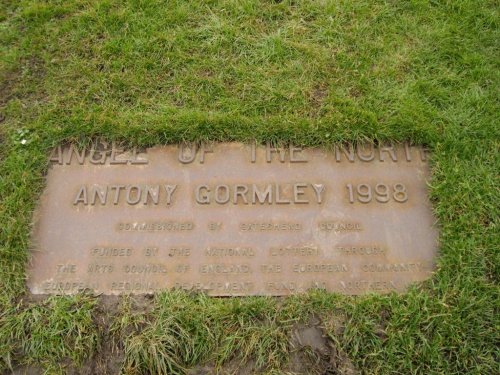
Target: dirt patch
{"type": "Point", "coordinates": [234, 367]}
{"type": "Point", "coordinates": [319, 93]}
{"type": "Point", "coordinates": [32, 68]}
{"type": "Point", "coordinates": [26, 370]}
{"type": "Point", "coordinates": [316, 98]}
{"type": "Point", "coordinates": [315, 353]}
{"type": "Point", "coordinates": [110, 355]}
{"type": "Point", "coordinates": [311, 350]}
{"type": "Point", "coordinates": [7, 86]}
{"type": "Point", "coordinates": [355, 92]}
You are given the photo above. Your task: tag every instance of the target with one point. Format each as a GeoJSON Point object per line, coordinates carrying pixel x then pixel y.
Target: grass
{"type": "Point", "coordinates": [308, 72]}
{"type": "Point", "coordinates": [57, 329]}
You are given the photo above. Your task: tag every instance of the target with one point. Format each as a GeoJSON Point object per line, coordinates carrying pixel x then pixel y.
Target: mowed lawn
{"type": "Point", "coordinates": [311, 73]}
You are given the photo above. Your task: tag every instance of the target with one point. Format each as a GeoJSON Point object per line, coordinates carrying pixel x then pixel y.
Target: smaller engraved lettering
{"type": "Point", "coordinates": [111, 251]}
{"type": "Point", "coordinates": [263, 227]}
{"type": "Point", "coordinates": [66, 268]}
{"type": "Point", "coordinates": [339, 226]}
{"type": "Point", "coordinates": [271, 268]}
{"type": "Point", "coordinates": [294, 251]}
{"type": "Point", "coordinates": [100, 268]}
{"type": "Point", "coordinates": [361, 250]}
{"type": "Point", "coordinates": [170, 226]}
{"type": "Point", "coordinates": [391, 267]}
{"type": "Point", "coordinates": [179, 251]}
{"type": "Point", "coordinates": [314, 268]}
{"type": "Point", "coordinates": [144, 268]}
{"type": "Point", "coordinates": [151, 251]}
{"type": "Point", "coordinates": [225, 268]}
{"type": "Point", "coordinates": [281, 286]}
{"type": "Point", "coordinates": [229, 252]}
{"type": "Point", "coordinates": [68, 286]}
{"type": "Point", "coordinates": [364, 285]}
{"type": "Point", "coordinates": [130, 286]}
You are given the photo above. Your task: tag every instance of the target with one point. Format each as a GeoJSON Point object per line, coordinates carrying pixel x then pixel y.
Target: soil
{"type": "Point", "coordinates": [312, 352]}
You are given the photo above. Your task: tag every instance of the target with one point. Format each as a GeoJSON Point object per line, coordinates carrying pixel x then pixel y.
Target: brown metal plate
{"type": "Point", "coordinates": [233, 220]}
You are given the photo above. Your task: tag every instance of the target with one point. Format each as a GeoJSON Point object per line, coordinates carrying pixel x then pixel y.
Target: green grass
{"type": "Point", "coordinates": [308, 72]}
{"type": "Point", "coordinates": [55, 330]}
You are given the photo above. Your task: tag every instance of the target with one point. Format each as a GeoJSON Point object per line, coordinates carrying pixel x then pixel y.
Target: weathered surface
{"type": "Point", "coordinates": [233, 219]}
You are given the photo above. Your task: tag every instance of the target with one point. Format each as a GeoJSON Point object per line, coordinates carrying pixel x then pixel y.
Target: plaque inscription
{"type": "Point", "coordinates": [232, 219]}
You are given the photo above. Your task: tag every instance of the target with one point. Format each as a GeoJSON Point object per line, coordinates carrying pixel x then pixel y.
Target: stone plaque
{"type": "Point", "coordinates": [233, 220]}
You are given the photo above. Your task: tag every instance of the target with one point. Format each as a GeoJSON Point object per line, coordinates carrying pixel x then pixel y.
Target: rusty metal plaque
{"type": "Point", "coordinates": [233, 220]}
